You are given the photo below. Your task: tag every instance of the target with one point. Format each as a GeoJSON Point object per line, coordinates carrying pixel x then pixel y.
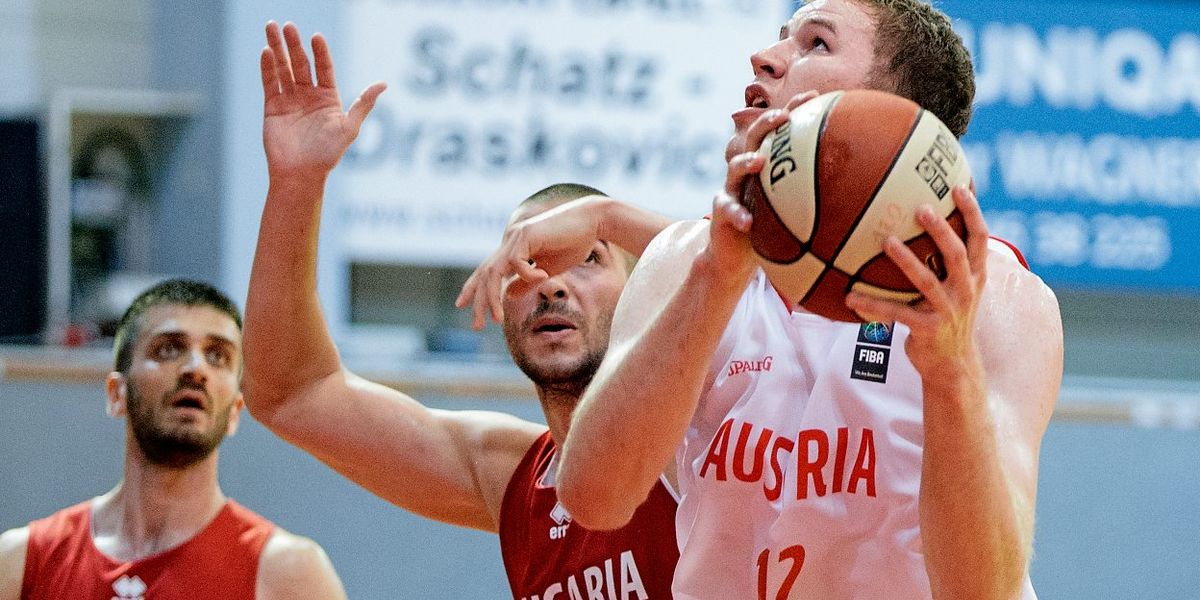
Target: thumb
{"type": "Point", "coordinates": [363, 104]}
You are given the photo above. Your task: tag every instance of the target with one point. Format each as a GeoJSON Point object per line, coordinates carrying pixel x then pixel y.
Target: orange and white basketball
{"type": "Point", "coordinates": [847, 170]}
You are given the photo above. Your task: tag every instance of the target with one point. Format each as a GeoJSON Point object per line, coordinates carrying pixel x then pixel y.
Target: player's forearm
{"type": "Point", "coordinates": [636, 410]}
{"type": "Point", "coordinates": [975, 528]}
{"type": "Point", "coordinates": [629, 226]}
{"type": "Point", "coordinates": [287, 345]}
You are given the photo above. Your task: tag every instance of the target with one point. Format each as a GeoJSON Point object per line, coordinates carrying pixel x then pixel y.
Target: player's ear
{"type": "Point", "coordinates": [235, 414]}
{"type": "Point", "coordinates": [117, 388]}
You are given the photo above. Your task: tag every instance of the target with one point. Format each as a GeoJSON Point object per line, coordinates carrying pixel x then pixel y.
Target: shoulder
{"type": "Point", "coordinates": [293, 566]}
{"type": "Point", "coordinates": [496, 441]}
{"type": "Point", "coordinates": [1018, 301]}
{"type": "Point", "coordinates": [13, 544]}
{"type": "Point", "coordinates": [288, 554]}
{"type": "Point", "coordinates": [1020, 336]}
{"type": "Point", "coordinates": [493, 431]}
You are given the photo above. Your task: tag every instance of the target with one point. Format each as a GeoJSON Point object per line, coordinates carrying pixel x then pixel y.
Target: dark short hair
{"type": "Point", "coordinates": [919, 56]}
{"type": "Point", "coordinates": [561, 193]}
{"type": "Point", "coordinates": [184, 292]}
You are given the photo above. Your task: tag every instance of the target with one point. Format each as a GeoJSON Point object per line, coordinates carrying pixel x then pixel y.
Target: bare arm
{"type": "Point", "coordinates": [445, 465]}
{"type": "Point", "coordinates": [988, 345]}
{"type": "Point", "coordinates": [646, 391]}
{"type": "Point", "coordinates": [552, 242]}
{"type": "Point", "coordinates": [293, 567]}
{"type": "Point", "coordinates": [13, 544]}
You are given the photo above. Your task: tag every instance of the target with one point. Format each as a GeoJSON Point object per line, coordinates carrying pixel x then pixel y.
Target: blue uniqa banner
{"type": "Point", "coordinates": [1085, 143]}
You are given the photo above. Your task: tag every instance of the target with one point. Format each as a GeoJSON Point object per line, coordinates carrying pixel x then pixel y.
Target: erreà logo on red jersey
{"type": "Point", "coordinates": [562, 518]}
{"type": "Point", "coordinates": [129, 588]}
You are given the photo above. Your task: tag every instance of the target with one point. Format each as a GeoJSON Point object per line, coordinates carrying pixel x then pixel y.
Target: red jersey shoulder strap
{"type": "Point", "coordinates": [531, 468]}
{"type": "Point", "coordinates": [250, 529]}
{"type": "Point", "coordinates": [64, 536]}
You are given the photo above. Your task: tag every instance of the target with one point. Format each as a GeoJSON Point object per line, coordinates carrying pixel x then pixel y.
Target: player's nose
{"type": "Point", "coordinates": [552, 288]}
{"type": "Point", "coordinates": [195, 366]}
{"type": "Point", "coordinates": [769, 62]}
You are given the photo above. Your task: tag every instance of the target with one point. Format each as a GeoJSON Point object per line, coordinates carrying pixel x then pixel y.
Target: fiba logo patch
{"type": "Point", "coordinates": [129, 588]}
{"type": "Point", "coordinates": [562, 520]}
{"type": "Point", "coordinates": [875, 333]}
{"type": "Point", "coordinates": [872, 352]}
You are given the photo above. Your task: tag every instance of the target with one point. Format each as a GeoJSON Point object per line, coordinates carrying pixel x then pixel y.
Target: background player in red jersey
{"type": "Point", "coordinates": [484, 470]}
{"type": "Point", "coordinates": [166, 531]}
{"type": "Point", "coordinates": [985, 348]}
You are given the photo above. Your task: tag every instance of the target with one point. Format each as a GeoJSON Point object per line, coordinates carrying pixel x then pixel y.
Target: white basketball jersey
{"type": "Point", "coordinates": [801, 470]}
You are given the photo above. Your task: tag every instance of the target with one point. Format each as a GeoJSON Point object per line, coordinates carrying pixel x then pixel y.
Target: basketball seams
{"type": "Point", "coordinates": [816, 175]}
{"type": "Point", "coordinates": [866, 206]}
{"type": "Point", "coordinates": [865, 158]}
{"type": "Point", "coordinates": [816, 197]}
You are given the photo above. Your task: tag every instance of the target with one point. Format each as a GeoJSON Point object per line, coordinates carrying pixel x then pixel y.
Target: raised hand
{"type": "Point", "coordinates": [729, 243]}
{"type": "Point", "coordinates": [305, 131]}
{"type": "Point", "coordinates": [943, 324]}
{"type": "Point", "coordinates": [533, 249]}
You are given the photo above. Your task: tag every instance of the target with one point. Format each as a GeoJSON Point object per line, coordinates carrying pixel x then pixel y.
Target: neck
{"type": "Point", "coordinates": [155, 508]}
{"type": "Point", "coordinates": [558, 403]}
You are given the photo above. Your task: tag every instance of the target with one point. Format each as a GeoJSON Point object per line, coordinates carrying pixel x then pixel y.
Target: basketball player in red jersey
{"type": "Point", "coordinates": [799, 479]}
{"type": "Point", "coordinates": [482, 470]}
{"type": "Point", "coordinates": [166, 531]}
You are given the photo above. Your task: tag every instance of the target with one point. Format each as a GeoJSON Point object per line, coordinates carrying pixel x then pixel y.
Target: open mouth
{"type": "Point", "coordinates": [756, 96]}
{"type": "Point", "coordinates": [553, 325]}
{"type": "Point", "coordinates": [189, 399]}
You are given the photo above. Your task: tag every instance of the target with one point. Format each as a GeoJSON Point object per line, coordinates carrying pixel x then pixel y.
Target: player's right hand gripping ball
{"type": "Point", "coordinates": [847, 170]}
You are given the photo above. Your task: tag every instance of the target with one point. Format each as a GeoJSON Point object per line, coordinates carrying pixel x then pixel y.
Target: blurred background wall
{"type": "Point", "coordinates": [130, 150]}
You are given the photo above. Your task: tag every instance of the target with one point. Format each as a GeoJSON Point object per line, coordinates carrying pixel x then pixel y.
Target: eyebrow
{"type": "Point", "coordinates": [818, 20]}
{"type": "Point", "coordinates": [179, 335]}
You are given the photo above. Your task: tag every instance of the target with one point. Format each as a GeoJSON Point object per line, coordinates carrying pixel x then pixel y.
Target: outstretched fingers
{"type": "Point", "coordinates": [323, 60]}
{"type": "Point", "coordinates": [283, 67]}
{"type": "Point", "coordinates": [270, 81]}
{"type": "Point", "coordinates": [301, 70]}
{"type": "Point", "coordinates": [475, 289]}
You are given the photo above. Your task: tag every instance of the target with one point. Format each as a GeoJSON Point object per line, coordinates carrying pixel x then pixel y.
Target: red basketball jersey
{"type": "Point", "coordinates": [548, 557]}
{"type": "Point", "coordinates": [219, 563]}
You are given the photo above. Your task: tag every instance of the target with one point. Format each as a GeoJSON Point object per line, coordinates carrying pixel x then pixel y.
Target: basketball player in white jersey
{"type": "Point", "coordinates": [819, 459]}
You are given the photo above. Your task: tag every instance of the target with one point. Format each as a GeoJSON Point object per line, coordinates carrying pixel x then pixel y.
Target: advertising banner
{"type": "Point", "coordinates": [492, 100]}
{"type": "Point", "coordinates": [1085, 143]}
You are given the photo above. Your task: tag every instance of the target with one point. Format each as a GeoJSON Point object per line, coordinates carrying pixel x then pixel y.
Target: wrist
{"type": "Point", "coordinates": [291, 178]}
{"type": "Point", "coordinates": [956, 381]}
{"type": "Point", "coordinates": [720, 276]}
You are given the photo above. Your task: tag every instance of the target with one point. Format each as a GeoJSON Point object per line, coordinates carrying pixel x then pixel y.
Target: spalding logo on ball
{"type": "Point", "coordinates": [847, 170]}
